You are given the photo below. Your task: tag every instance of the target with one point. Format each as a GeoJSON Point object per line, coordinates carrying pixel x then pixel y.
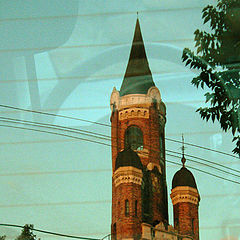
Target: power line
{"type": "Point", "coordinates": [205, 160]}
{"type": "Point", "coordinates": [57, 127]}
{"type": "Point", "coordinates": [49, 232]}
{"type": "Point", "coordinates": [108, 138]}
{"type": "Point", "coordinates": [92, 134]}
{"type": "Point", "coordinates": [93, 141]}
{"type": "Point", "coordinates": [54, 133]}
{"type": "Point", "coordinates": [110, 145]}
{"type": "Point", "coordinates": [205, 148]}
{"type": "Point", "coordinates": [211, 174]}
{"type": "Point", "coordinates": [107, 125]}
{"type": "Point", "coordinates": [207, 165]}
{"type": "Point", "coordinates": [53, 115]}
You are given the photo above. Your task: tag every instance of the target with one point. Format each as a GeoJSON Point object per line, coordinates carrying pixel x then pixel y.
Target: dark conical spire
{"type": "Point", "coordinates": [138, 76]}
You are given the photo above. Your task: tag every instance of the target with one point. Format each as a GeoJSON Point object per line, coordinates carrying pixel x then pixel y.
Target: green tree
{"type": "Point", "coordinates": [2, 237]}
{"type": "Point", "coordinates": [217, 56]}
{"type": "Point", "coordinates": [27, 233]}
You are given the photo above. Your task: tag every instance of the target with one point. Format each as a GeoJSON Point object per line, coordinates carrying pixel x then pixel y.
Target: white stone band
{"type": "Point", "coordinates": [184, 194]}
{"type": "Point", "coordinates": [127, 175]}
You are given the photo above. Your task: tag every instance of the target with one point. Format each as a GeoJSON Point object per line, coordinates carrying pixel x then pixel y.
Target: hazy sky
{"type": "Point", "coordinates": [65, 57]}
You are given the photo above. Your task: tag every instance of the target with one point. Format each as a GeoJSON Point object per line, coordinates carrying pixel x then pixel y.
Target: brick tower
{"type": "Point", "coordinates": [139, 191]}
{"type": "Point", "coordinates": [185, 199]}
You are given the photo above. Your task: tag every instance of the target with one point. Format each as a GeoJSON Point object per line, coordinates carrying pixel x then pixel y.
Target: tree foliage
{"type": "Point", "coordinates": [217, 56]}
{"type": "Point", "coordinates": [27, 233]}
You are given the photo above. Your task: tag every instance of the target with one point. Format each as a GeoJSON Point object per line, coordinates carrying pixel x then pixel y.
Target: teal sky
{"type": "Point", "coordinates": [65, 57]}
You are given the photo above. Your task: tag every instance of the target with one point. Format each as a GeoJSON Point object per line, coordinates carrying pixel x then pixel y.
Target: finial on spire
{"type": "Point", "coordinates": [183, 148]}
{"type": "Point", "coordinates": [137, 14]}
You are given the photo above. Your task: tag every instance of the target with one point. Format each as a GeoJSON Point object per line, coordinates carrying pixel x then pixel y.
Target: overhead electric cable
{"type": "Point", "coordinates": [50, 126]}
{"type": "Point", "coordinates": [105, 137]}
{"type": "Point", "coordinates": [211, 174]}
{"type": "Point", "coordinates": [49, 232]}
{"type": "Point", "coordinates": [57, 127]}
{"type": "Point", "coordinates": [205, 160]}
{"type": "Point", "coordinates": [52, 115]}
{"type": "Point", "coordinates": [54, 133]}
{"type": "Point", "coordinates": [207, 165]}
{"type": "Point", "coordinates": [93, 141]}
{"type": "Point", "coordinates": [197, 146]}
{"type": "Point", "coordinates": [107, 125]}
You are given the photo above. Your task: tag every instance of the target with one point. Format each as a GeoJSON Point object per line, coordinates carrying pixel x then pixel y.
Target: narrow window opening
{"type": "Point", "coordinates": [126, 208]}
{"type": "Point", "coordinates": [119, 209]}
{"type": "Point", "coordinates": [136, 206]}
{"type": "Point", "coordinates": [192, 225]}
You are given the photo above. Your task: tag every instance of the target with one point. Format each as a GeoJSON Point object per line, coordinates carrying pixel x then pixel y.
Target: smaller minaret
{"type": "Point", "coordinates": [126, 206]}
{"type": "Point", "coordinates": [185, 199]}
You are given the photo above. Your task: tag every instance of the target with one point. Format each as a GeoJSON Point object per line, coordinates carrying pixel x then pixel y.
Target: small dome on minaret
{"type": "Point", "coordinates": [128, 158]}
{"type": "Point", "coordinates": [185, 199]}
{"type": "Point", "coordinates": [183, 177]}
{"type": "Point", "coordinates": [138, 76]}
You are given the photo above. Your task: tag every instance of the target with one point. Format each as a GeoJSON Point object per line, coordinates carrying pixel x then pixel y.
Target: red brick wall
{"type": "Point", "coordinates": [185, 212]}
{"type": "Point", "coordinates": [114, 138]}
{"type": "Point", "coordinates": [127, 226]}
{"type": "Point", "coordinates": [131, 226]}
{"type": "Point", "coordinates": [150, 129]}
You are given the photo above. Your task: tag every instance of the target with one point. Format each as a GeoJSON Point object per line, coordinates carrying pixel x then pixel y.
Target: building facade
{"type": "Point", "coordinates": [139, 189]}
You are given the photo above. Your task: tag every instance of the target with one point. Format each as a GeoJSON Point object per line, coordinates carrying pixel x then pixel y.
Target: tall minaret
{"type": "Point", "coordinates": [139, 191]}
{"type": "Point", "coordinates": [185, 198]}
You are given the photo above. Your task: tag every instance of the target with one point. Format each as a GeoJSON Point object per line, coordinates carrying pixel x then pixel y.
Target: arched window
{"type": "Point", "coordinates": [133, 138]}
{"type": "Point", "coordinates": [126, 208]}
{"type": "Point", "coordinates": [136, 206]}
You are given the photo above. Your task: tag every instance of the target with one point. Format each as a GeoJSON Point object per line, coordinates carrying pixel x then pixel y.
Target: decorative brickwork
{"type": "Point", "coordinates": [133, 113]}
{"type": "Point", "coordinates": [127, 175]}
{"type": "Point", "coordinates": [185, 208]}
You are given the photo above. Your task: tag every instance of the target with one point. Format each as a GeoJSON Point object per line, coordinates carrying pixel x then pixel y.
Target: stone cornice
{"type": "Point", "coordinates": [127, 175]}
{"type": "Point", "coordinates": [185, 194]}
{"type": "Point", "coordinates": [135, 100]}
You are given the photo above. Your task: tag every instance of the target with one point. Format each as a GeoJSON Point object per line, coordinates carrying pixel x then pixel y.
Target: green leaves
{"type": "Point", "coordinates": [219, 49]}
